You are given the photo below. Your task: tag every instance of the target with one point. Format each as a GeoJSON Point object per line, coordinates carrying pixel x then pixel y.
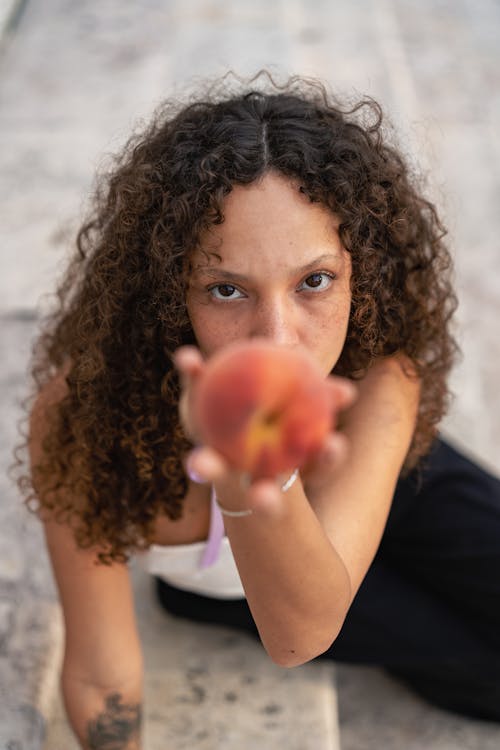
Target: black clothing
{"type": "Point", "coordinates": [428, 609]}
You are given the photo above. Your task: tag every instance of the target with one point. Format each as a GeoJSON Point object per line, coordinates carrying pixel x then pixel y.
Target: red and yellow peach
{"type": "Point", "coordinates": [265, 408]}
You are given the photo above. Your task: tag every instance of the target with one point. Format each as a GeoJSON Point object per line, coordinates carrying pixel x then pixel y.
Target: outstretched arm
{"type": "Point", "coordinates": [302, 555]}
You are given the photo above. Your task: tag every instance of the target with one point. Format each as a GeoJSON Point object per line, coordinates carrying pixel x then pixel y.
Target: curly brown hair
{"type": "Point", "coordinates": [115, 441]}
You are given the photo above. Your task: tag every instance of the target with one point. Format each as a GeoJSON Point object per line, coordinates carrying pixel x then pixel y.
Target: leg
{"type": "Point", "coordinates": [447, 537]}
{"type": "Point", "coordinates": [234, 613]}
{"type": "Point", "coordinates": [429, 607]}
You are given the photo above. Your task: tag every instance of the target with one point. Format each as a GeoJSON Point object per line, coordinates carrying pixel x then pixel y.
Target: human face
{"type": "Point", "coordinates": [282, 275]}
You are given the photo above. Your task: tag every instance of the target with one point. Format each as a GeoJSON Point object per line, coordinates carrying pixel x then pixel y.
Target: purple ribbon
{"type": "Point", "coordinates": [215, 534]}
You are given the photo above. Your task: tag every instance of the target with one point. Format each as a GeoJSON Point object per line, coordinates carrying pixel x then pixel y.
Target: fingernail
{"type": "Point", "coordinates": [192, 473]}
{"type": "Point", "coordinates": [195, 477]}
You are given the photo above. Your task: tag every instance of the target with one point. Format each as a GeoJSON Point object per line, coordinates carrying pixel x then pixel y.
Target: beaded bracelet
{"type": "Point", "coordinates": [248, 512]}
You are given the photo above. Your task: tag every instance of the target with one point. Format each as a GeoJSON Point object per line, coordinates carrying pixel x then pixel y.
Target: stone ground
{"type": "Point", "coordinates": [74, 79]}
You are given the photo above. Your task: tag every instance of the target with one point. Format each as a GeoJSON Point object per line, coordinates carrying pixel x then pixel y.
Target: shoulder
{"type": "Point", "coordinates": [52, 391]}
{"type": "Point", "coordinates": [380, 424]}
{"type": "Point", "coordinates": [388, 394]}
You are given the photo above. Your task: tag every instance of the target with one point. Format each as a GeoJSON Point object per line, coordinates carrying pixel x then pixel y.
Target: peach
{"type": "Point", "coordinates": [267, 409]}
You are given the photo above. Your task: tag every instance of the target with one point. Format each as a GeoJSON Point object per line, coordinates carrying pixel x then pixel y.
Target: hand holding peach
{"type": "Point", "coordinates": [265, 408]}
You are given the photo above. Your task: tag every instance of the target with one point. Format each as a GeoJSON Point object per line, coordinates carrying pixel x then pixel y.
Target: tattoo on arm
{"type": "Point", "coordinates": [117, 728]}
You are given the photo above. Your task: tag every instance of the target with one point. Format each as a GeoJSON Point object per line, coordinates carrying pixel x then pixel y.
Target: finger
{"type": "Point", "coordinates": [204, 464]}
{"type": "Point", "coordinates": [265, 496]}
{"type": "Point", "coordinates": [188, 360]}
{"type": "Point", "coordinates": [344, 393]}
{"type": "Point", "coordinates": [334, 452]}
{"type": "Point", "coordinates": [332, 455]}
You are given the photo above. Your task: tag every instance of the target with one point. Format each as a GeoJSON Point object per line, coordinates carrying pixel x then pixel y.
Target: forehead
{"type": "Point", "coordinates": [273, 216]}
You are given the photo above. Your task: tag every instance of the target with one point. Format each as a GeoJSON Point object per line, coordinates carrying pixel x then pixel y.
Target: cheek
{"type": "Point", "coordinates": [211, 330]}
{"type": "Point", "coordinates": [342, 322]}
{"type": "Point", "coordinates": [344, 314]}
{"type": "Point", "coordinates": [332, 332]}
{"type": "Point", "coordinates": [335, 314]}
{"type": "Point", "coordinates": [195, 312]}
{"type": "Point", "coordinates": [343, 307]}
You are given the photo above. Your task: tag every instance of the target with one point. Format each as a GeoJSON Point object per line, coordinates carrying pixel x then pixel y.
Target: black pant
{"type": "Point", "coordinates": [428, 609]}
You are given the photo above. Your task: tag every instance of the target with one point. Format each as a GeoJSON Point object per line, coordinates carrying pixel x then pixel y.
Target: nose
{"type": "Point", "coordinates": [276, 321]}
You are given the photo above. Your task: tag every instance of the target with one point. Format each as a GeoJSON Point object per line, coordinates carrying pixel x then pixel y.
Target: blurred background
{"type": "Point", "coordinates": [77, 77]}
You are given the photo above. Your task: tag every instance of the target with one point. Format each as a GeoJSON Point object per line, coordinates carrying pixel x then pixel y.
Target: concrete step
{"type": "Point", "coordinates": [376, 712]}
{"type": "Point", "coordinates": [29, 661]}
{"type": "Point", "coordinates": [210, 688]}
{"type": "Point", "coordinates": [10, 12]}
{"type": "Point", "coordinates": [30, 620]}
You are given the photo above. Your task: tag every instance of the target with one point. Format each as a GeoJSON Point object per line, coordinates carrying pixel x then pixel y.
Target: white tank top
{"type": "Point", "coordinates": [206, 568]}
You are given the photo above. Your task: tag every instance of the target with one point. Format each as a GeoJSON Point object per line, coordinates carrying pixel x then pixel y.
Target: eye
{"type": "Point", "coordinates": [318, 282]}
{"type": "Point", "coordinates": [224, 291]}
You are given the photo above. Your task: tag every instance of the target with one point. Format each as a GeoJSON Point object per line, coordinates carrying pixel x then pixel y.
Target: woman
{"type": "Point", "coordinates": [269, 212]}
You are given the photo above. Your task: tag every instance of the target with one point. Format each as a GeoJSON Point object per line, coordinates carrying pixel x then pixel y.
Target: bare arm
{"type": "Point", "coordinates": [302, 562]}
{"type": "Point", "coordinates": [102, 668]}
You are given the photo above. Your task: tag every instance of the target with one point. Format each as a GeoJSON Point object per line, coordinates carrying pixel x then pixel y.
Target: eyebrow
{"type": "Point", "coordinates": [220, 273]}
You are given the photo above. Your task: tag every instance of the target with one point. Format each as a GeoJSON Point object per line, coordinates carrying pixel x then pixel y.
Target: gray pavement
{"type": "Point", "coordinates": [10, 11]}
{"type": "Point", "coordinates": [210, 688]}
{"type": "Point", "coordinates": [74, 78]}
